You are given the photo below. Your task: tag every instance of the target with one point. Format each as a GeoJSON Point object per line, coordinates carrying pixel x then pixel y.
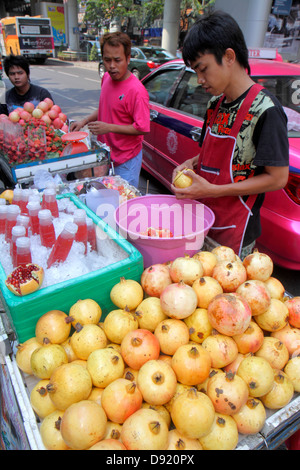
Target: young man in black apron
{"type": "Point", "coordinates": [244, 143]}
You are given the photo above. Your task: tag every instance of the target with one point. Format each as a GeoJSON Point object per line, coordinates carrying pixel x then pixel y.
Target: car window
{"type": "Point", "coordinates": [190, 97]}
{"type": "Point", "coordinates": [159, 86]}
{"type": "Point", "coordinates": [287, 91]}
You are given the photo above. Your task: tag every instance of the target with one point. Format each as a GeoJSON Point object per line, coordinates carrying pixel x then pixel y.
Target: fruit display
{"type": "Point", "coordinates": [175, 366]}
{"type": "Point", "coordinates": [26, 279]}
{"type": "Point", "coordinates": [31, 133]}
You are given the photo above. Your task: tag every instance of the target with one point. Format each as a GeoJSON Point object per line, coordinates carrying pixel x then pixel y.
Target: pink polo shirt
{"type": "Point", "coordinates": [124, 102]}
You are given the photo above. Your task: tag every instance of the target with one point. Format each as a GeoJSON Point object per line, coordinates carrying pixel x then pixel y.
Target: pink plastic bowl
{"type": "Point", "coordinates": [188, 220]}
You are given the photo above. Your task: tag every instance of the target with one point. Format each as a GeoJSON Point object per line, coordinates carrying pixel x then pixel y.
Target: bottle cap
{"type": "Point", "coordinates": [23, 242]}
{"type": "Point", "coordinates": [23, 219]}
{"type": "Point", "coordinates": [49, 192]}
{"type": "Point", "coordinates": [71, 228]}
{"type": "Point", "coordinates": [79, 214]}
{"type": "Point", "coordinates": [17, 193]}
{"type": "Point", "coordinates": [44, 214]}
{"type": "Point", "coordinates": [18, 231]}
{"type": "Point", "coordinates": [13, 209]}
{"type": "Point", "coordinates": [25, 194]}
{"type": "Point", "coordinates": [33, 205]}
{"type": "Point", "coordinates": [3, 209]}
{"type": "Point", "coordinates": [2, 201]}
{"type": "Point", "coordinates": [89, 222]}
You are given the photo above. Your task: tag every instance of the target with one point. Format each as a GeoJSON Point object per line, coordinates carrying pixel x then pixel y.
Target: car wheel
{"type": "Point", "coordinates": [136, 73]}
{"type": "Point", "coordinates": [101, 70]}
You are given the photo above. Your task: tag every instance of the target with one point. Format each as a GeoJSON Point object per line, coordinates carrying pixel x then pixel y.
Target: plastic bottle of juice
{"type": "Point", "coordinates": [33, 209]}
{"type": "Point", "coordinates": [80, 220]}
{"type": "Point", "coordinates": [3, 214]}
{"type": "Point", "coordinates": [17, 231]}
{"type": "Point", "coordinates": [91, 233]}
{"type": "Point", "coordinates": [17, 196]}
{"type": "Point", "coordinates": [11, 219]}
{"type": "Point", "coordinates": [24, 201]}
{"type": "Point", "coordinates": [46, 228]}
{"type": "Point", "coordinates": [23, 251]}
{"type": "Point", "coordinates": [25, 221]}
{"type": "Point", "coordinates": [63, 244]}
{"type": "Point", "coordinates": [50, 202]}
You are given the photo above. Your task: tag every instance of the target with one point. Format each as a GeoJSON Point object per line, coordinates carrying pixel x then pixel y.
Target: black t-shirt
{"type": "Point", "coordinates": [262, 141]}
{"type": "Point", "coordinates": [35, 94]}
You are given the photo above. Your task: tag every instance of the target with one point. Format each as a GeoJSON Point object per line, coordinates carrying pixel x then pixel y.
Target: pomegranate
{"type": "Point", "coordinates": [50, 431]}
{"type": "Point", "coordinates": [182, 180]}
{"type": "Point", "coordinates": [274, 351]}
{"type": "Point", "coordinates": [157, 382]}
{"type": "Point", "coordinates": [228, 392]}
{"type": "Point", "coordinates": [258, 266]}
{"type": "Point", "coordinates": [229, 313]}
{"type": "Point", "coordinates": [40, 399]}
{"type": "Point", "coordinates": [208, 261]}
{"type": "Point", "coordinates": [108, 444]}
{"type": "Point", "coordinates": [149, 313]}
{"type": "Point", "coordinates": [83, 424]}
{"type": "Point", "coordinates": [24, 280]}
{"type": "Point", "coordinates": [221, 348]}
{"type": "Point", "coordinates": [289, 336]}
{"type": "Point", "coordinates": [155, 278]}
{"type": "Point", "coordinates": [24, 352]}
{"type": "Point", "coordinates": [230, 275]}
{"type": "Point", "coordinates": [69, 350]}
{"type": "Point", "coordinates": [104, 366]}
{"type": "Point", "coordinates": [69, 384]}
{"type": "Point", "coordinates": [251, 340]}
{"type": "Point", "coordinates": [206, 289]}
{"type": "Point", "coordinates": [85, 311]}
{"type": "Point", "coordinates": [223, 435]}
{"type": "Point", "coordinates": [127, 293]}
{"type": "Point", "coordinates": [251, 417]}
{"type": "Point", "coordinates": [145, 430]}
{"type": "Point", "coordinates": [180, 388]}
{"type": "Point", "coordinates": [199, 326]}
{"type": "Point", "coordinates": [120, 399]}
{"type": "Point", "coordinates": [96, 395]}
{"type": "Point", "coordinates": [54, 325]}
{"type": "Point", "coordinates": [179, 442]}
{"type": "Point", "coordinates": [118, 323]}
{"type": "Point", "coordinates": [161, 409]}
{"type": "Point", "coordinates": [138, 347]}
{"type": "Point", "coordinates": [275, 288]}
{"type": "Point", "coordinates": [86, 339]}
{"type": "Point", "coordinates": [224, 253]}
{"type": "Point", "coordinates": [257, 295]}
{"type": "Point", "coordinates": [293, 306]}
{"type": "Point", "coordinates": [178, 300]}
{"type": "Point", "coordinates": [275, 317]}
{"type": "Point", "coordinates": [130, 374]}
{"type": "Point", "coordinates": [234, 365]}
{"type": "Point", "coordinates": [186, 269]}
{"type": "Point", "coordinates": [113, 431]}
{"type": "Point", "coordinates": [46, 359]}
{"type": "Point", "coordinates": [257, 373]}
{"type": "Point", "coordinates": [171, 334]}
{"type": "Point", "coordinates": [292, 370]}
{"type": "Point", "coordinates": [191, 364]}
{"type": "Point", "coordinates": [281, 392]}
{"type": "Point", "coordinates": [199, 410]}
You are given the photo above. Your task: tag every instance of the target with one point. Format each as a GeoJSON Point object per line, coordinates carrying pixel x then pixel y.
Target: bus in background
{"type": "Point", "coordinates": [29, 36]}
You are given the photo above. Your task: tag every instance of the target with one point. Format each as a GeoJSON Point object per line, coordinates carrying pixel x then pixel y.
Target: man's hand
{"type": "Point", "coordinates": [99, 127]}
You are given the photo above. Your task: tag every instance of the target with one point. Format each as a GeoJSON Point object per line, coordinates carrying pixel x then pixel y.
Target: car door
{"type": "Point", "coordinates": [177, 110]}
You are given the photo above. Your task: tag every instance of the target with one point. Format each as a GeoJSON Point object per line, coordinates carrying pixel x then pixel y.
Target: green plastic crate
{"type": "Point", "coordinates": [23, 312]}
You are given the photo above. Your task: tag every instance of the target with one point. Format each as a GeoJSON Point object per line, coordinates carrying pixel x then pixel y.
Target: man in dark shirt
{"type": "Point", "coordinates": [17, 70]}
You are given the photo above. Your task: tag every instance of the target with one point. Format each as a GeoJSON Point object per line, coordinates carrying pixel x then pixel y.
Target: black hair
{"type": "Point", "coordinates": [214, 34]}
{"type": "Point", "coordinates": [117, 39]}
{"type": "Point", "coordinates": [17, 60]}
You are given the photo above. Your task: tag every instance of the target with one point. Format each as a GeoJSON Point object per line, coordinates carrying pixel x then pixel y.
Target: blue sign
{"type": "Point", "coordinates": [282, 7]}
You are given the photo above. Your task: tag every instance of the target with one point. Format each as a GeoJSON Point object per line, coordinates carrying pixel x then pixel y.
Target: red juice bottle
{"type": "Point", "coordinates": [24, 201]}
{"type": "Point", "coordinates": [17, 231]}
{"type": "Point", "coordinates": [24, 220]}
{"type": "Point", "coordinates": [3, 214]}
{"type": "Point", "coordinates": [63, 244]}
{"type": "Point", "coordinates": [46, 228]}
{"type": "Point", "coordinates": [91, 234]}
{"type": "Point", "coordinates": [33, 209]}
{"type": "Point", "coordinates": [80, 220]}
{"type": "Point", "coordinates": [23, 251]}
{"type": "Point", "coordinates": [50, 202]}
{"type": "Point", "coordinates": [11, 219]}
{"type": "Point", "coordinates": [17, 196]}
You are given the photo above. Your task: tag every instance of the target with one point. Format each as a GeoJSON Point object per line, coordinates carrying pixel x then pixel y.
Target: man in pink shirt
{"type": "Point", "coordinates": [123, 116]}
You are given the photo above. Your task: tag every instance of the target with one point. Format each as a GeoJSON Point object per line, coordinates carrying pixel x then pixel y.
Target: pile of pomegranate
{"type": "Point", "coordinates": [190, 358]}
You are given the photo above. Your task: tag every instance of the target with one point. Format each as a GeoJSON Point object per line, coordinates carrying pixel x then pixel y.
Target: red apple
{"type": "Point", "coordinates": [28, 106]}
{"type": "Point", "coordinates": [25, 115]}
{"type": "Point", "coordinates": [14, 116]}
{"type": "Point", "coordinates": [62, 116]}
{"type": "Point", "coordinates": [43, 106]}
{"type": "Point", "coordinates": [53, 113]}
{"type": "Point", "coordinates": [37, 113]}
{"type": "Point", "coordinates": [56, 108]}
{"type": "Point", "coordinates": [57, 123]}
{"type": "Point", "coordinates": [49, 102]}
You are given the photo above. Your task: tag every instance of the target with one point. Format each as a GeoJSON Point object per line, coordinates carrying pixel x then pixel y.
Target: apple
{"type": "Point", "coordinates": [28, 106]}
{"type": "Point", "coordinates": [37, 113]}
{"type": "Point", "coordinates": [49, 102]}
{"type": "Point", "coordinates": [25, 115]}
{"type": "Point", "coordinates": [43, 106]}
{"type": "Point", "coordinates": [62, 116]}
{"type": "Point", "coordinates": [14, 116]}
{"type": "Point", "coordinates": [56, 108]}
{"type": "Point", "coordinates": [57, 123]}
{"type": "Point", "coordinates": [46, 119]}
{"type": "Point", "coordinates": [53, 113]}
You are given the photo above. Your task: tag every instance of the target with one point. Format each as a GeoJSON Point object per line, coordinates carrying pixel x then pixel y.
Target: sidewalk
{"type": "Point", "coordinates": [75, 63]}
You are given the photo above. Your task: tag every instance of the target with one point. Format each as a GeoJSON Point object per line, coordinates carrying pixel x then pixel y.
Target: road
{"type": "Point", "coordinates": [76, 90]}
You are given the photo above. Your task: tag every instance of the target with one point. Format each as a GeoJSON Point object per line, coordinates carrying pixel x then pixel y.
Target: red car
{"type": "Point", "coordinates": [177, 110]}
